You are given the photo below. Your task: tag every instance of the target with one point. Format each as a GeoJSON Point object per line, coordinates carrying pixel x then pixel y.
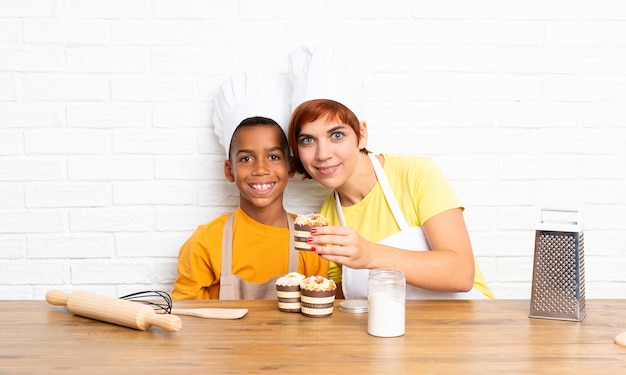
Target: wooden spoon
{"type": "Point", "coordinates": [212, 313]}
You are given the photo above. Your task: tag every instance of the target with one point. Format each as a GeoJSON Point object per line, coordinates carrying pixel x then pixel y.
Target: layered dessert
{"type": "Point", "coordinates": [317, 296]}
{"type": "Point", "coordinates": [288, 292]}
{"type": "Point", "coordinates": [302, 229]}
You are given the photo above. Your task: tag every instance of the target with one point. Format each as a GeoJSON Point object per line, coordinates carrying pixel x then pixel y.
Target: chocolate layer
{"type": "Point", "coordinates": [288, 298]}
{"type": "Point", "coordinates": [301, 233]}
{"type": "Point", "coordinates": [302, 228]}
{"type": "Point", "coordinates": [318, 293]}
{"type": "Point", "coordinates": [317, 303]}
{"type": "Point", "coordinates": [287, 288]}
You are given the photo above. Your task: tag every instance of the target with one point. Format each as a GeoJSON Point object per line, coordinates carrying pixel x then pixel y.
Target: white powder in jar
{"type": "Point", "coordinates": [386, 303]}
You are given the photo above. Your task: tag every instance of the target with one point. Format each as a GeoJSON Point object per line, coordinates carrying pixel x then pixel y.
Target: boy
{"type": "Point", "coordinates": [240, 255]}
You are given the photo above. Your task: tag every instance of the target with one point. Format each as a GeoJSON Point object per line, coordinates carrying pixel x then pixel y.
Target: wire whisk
{"type": "Point", "coordinates": [159, 300]}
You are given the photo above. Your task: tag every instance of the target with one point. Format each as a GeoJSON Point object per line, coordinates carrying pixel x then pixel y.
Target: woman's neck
{"type": "Point", "coordinates": [360, 183]}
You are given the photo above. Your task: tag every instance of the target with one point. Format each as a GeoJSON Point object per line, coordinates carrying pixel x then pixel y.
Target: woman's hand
{"type": "Point", "coordinates": [342, 245]}
{"type": "Point", "coordinates": [448, 266]}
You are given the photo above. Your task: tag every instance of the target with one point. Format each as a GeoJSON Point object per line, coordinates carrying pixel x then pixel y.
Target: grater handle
{"type": "Point", "coordinates": [563, 218]}
{"type": "Point", "coordinates": [562, 207]}
{"type": "Point", "coordinates": [559, 209]}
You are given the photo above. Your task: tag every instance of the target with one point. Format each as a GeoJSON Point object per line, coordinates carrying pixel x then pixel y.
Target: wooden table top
{"type": "Point", "coordinates": [465, 337]}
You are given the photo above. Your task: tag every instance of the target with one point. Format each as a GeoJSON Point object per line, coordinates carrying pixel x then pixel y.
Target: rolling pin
{"type": "Point", "coordinates": [112, 310]}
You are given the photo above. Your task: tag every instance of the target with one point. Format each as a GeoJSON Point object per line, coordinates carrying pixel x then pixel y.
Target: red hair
{"type": "Point", "coordinates": [312, 110]}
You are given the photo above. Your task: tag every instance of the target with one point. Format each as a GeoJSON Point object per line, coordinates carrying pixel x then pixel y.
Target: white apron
{"type": "Point", "coordinates": [354, 281]}
{"type": "Point", "coordinates": [232, 286]}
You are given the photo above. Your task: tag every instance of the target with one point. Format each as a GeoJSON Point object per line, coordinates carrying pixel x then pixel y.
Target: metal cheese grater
{"type": "Point", "coordinates": [558, 289]}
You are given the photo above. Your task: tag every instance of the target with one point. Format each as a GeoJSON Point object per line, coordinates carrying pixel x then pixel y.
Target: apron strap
{"type": "Point", "coordinates": [391, 199]}
{"type": "Point", "coordinates": [227, 247]}
{"type": "Point", "coordinates": [294, 254]}
{"type": "Point", "coordinates": [230, 285]}
{"type": "Point", "coordinates": [387, 192]}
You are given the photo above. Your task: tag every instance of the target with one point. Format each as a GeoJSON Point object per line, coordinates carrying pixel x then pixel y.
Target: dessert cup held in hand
{"type": "Point", "coordinates": [302, 229]}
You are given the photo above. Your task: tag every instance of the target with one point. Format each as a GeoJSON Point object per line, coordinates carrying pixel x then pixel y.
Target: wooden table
{"type": "Point", "coordinates": [460, 337]}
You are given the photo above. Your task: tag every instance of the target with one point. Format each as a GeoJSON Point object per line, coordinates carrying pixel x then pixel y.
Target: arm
{"type": "Point", "coordinates": [194, 273]}
{"type": "Point", "coordinates": [449, 266]}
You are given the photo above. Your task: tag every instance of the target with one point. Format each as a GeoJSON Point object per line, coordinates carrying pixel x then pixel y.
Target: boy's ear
{"type": "Point", "coordinates": [228, 171]}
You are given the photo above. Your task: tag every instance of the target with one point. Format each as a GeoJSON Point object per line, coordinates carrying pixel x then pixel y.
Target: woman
{"type": "Point", "coordinates": [384, 207]}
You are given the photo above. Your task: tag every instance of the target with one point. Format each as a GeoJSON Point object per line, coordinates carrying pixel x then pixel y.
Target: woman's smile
{"type": "Point", "coordinates": [327, 170]}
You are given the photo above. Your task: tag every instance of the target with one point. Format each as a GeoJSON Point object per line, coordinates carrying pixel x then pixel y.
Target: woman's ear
{"type": "Point", "coordinates": [362, 135]}
{"type": "Point", "coordinates": [228, 171]}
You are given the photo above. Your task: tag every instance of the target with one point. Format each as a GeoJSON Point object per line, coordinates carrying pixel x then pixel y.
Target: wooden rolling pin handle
{"type": "Point", "coordinates": [167, 322]}
{"type": "Point", "coordinates": [113, 310]}
{"type": "Point", "coordinates": [57, 297]}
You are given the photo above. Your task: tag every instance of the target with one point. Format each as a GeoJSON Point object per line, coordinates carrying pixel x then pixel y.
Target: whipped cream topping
{"type": "Point", "coordinates": [317, 283]}
{"type": "Point", "coordinates": [313, 220]}
{"type": "Point", "coordinates": [290, 279]}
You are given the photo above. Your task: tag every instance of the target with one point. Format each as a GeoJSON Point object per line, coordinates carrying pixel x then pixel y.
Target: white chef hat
{"type": "Point", "coordinates": [250, 94]}
{"type": "Point", "coordinates": [333, 70]}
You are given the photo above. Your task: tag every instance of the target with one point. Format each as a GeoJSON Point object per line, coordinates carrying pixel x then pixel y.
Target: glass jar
{"type": "Point", "coordinates": [386, 303]}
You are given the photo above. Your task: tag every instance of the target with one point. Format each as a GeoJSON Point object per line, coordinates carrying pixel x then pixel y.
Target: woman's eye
{"type": "Point", "coordinates": [306, 140]}
{"type": "Point", "coordinates": [337, 136]}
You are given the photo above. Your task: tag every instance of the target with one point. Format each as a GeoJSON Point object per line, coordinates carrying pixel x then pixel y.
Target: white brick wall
{"type": "Point", "coordinates": [108, 159]}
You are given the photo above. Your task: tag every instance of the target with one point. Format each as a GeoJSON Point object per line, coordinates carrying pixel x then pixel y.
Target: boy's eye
{"type": "Point", "coordinates": [274, 157]}
{"type": "Point", "coordinates": [246, 159]}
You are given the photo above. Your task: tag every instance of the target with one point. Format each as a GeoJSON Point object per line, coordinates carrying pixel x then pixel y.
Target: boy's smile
{"type": "Point", "coordinates": [262, 188]}
{"type": "Point", "coordinates": [259, 168]}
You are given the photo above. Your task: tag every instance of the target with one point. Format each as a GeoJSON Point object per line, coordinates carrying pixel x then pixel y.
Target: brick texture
{"type": "Point", "coordinates": [108, 159]}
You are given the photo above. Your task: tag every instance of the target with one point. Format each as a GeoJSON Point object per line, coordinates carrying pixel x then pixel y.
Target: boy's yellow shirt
{"type": "Point", "coordinates": [260, 252]}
